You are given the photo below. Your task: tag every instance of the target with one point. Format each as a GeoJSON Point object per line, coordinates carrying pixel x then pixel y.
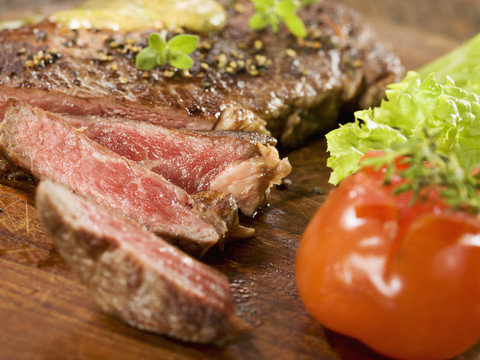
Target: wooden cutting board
{"type": "Point", "coordinates": [45, 312]}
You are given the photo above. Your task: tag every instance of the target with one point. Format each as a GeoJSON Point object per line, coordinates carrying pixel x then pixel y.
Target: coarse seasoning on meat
{"type": "Point", "coordinates": [240, 77]}
{"type": "Point", "coordinates": [135, 275]}
{"type": "Point", "coordinates": [243, 164]}
{"type": "Point", "coordinates": [48, 147]}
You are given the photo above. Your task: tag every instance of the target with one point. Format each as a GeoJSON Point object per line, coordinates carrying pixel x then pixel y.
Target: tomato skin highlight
{"type": "Point", "coordinates": [403, 280]}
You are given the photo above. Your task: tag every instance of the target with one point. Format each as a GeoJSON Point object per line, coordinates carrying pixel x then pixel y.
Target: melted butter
{"type": "Point", "coordinates": [197, 15]}
{"type": "Point", "coordinates": [29, 19]}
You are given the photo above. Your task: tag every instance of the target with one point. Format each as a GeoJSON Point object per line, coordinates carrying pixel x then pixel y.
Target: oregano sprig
{"type": "Point", "coordinates": [274, 12]}
{"type": "Point", "coordinates": [427, 170]}
{"type": "Point", "coordinates": [159, 52]}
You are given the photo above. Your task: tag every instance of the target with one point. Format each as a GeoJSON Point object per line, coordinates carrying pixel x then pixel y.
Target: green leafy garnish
{"type": "Point", "coordinates": [412, 107]}
{"type": "Point", "coordinates": [455, 180]}
{"type": "Point", "coordinates": [442, 98]}
{"type": "Point", "coordinates": [160, 52]}
{"type": "Point", "coordinates": [274, 12]}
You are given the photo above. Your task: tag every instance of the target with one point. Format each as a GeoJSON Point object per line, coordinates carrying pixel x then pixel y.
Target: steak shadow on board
{"type": "Point", "coordinates": [47, 147]}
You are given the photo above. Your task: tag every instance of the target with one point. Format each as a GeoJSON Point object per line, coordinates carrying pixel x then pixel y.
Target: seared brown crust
{"type": "Point", "coordinates": [299, 86]}
{"type": "Point", "coordinates": [302, 92]}
{"type": "Point", "coordinates": [136, 276]}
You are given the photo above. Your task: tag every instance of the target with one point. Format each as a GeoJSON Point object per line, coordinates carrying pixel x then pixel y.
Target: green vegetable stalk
{"type": "Point", "coordinates": [460, 65]}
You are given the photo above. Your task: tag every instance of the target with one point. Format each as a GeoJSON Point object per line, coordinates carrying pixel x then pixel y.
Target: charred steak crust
{"type": "Point", "coordinates": [135, 275]}
{"type": "Point", "coordinates": [239, 78]}
{"type": "Point", "coordinates": [339, 64]}
{"type": "Point", "coordinates": [46, 146]}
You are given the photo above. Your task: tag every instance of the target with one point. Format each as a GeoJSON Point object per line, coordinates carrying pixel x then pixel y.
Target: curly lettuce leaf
{"type": "Point", "coordinates": [351, 141]}
{"type": "Point", "coordinates": [412, 107]}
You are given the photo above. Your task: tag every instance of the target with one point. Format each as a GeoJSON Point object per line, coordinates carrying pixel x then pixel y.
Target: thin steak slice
{"type": "Point", "coordinates": [243, 164]}
{"type": "Point", "coordinates": [135, 275]}
{"type": "Point", "coordinates": [239, 77]}
{"type": "Point", "coordinates": [48, 147]}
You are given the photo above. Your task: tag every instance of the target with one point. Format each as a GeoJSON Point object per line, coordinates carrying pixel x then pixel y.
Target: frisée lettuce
{"type": "Point", "coordinates": [448, 108]}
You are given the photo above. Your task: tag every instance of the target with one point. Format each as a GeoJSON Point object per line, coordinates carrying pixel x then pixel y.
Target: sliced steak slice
{"type": "Point", "coordinates": [49, 148]}
{"type": "Point", "coordinates": [243, 164]}
{"type": "Point", "coordinates": [239, 78]}
{"type": "Point", "coordinates": [135, 275]}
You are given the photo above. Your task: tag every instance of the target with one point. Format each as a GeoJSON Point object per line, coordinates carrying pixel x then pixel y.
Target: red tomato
{"type": "Point", "coordinates": [405, 280]}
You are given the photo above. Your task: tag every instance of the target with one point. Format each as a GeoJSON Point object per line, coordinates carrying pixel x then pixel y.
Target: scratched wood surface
{"type": "Point", "coordinates": [45, 312]}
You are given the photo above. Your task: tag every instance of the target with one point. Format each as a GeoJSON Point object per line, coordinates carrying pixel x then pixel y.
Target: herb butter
{"type": "Point", "coordinates": [196, 15]}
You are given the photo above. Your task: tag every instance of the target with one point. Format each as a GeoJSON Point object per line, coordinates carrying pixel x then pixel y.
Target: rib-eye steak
{"type": "Point", "coordinates": [243, 164]}
{"type": "Point", "coordinates": [46, 146]}
{"type": "Point", "coordinates": [239, 79]}
{"type": "Point", "coordinates": [136, 275]}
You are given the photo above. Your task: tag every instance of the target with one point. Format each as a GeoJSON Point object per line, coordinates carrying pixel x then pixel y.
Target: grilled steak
{"type": "Point", "coordinates": [76, 80]}
{"type": "Point", "coordinates": [49, 148]}
{"type": "Point", "coordinates": [239, 79]}
{"type": "Point", "coordinates": [135, 275]}
{"type": "Point", "coordinates": [243, 164]}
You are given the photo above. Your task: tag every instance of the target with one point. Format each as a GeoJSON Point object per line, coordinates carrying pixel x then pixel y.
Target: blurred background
{"type": "Point", "coordinates": [438, 25]}
{"type": "Point", "coordinates": [458, 19]}
{"type": "Point", "coordinates": [455, 18]}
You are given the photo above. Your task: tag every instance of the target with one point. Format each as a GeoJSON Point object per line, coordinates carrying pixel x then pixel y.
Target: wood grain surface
{"type": "Point", "coordinates": [45, 312]}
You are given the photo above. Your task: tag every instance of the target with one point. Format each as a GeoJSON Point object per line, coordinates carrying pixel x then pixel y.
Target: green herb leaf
{"type": "Point", "coordinates": [147, 59]}
{"type": "Point", "coordinates": [180, 60]}
{"type": "Point", "coordinates": [296, 26]}
{"type": "Point", "coordinates": [285, 8]}
{"type": "Point", "coordinates": [156, 42]}
{"type": "Point", "coordinates": [162, 58]}
{"type": "Point", "coordinates": [159, 52]}
{"type": "Point", "coordinates": [258, 21]}
{"type": "Point", "coordinates": [183, 43]}
{"type": "Point", "coordinates": [274, 12]}
{"type": "Point", "coordinates": [263, 5]}
{"type": "Point", "coordinates": [263, 2]}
